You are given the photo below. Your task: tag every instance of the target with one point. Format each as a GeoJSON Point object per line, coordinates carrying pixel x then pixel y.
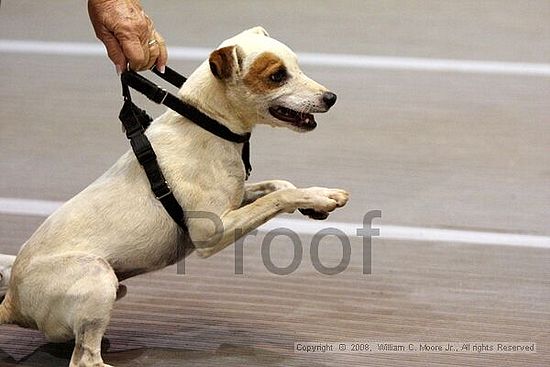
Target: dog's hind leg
{"type": "Point", "coordinates": [68, 296]}
{"type": "Point", "coordinates": [6, 262]}
{"type": "Point", "coordinates": [92, 309]}
{"type": "Point", "coordinates": [87, 349]}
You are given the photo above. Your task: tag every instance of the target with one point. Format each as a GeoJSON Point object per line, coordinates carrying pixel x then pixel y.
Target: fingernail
{"type": "Point", "coordinates": [118, 70]}
{"type": "Point", "coordinates": [162, 69]}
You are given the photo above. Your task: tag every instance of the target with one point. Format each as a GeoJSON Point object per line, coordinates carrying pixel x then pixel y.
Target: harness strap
{"type": "Point", "coordinates": [171, 76]}
{"type": "Point", "coordinates": [161, 96]}
{"type": "Point", "coordinates": [135, 121]}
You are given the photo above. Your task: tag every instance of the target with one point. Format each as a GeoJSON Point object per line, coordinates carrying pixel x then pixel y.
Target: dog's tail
{"type": "Point", "coordinates": [5, 317]}
{"type": "Point", "coordinates": [6, 314]}
{"type": "Point", "coordinates": [6, 262]}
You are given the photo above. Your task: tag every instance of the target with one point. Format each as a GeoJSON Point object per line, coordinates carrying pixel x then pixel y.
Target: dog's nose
{"type": "Point", "coordinates": [329, 98]}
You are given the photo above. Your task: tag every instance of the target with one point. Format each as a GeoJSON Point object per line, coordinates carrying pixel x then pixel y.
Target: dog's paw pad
{"type": "Point", "coordinates": [314, 214]}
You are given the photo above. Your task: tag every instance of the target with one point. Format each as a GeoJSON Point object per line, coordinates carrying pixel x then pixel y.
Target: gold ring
{"type": "Point", "coordinates": [152, 42]}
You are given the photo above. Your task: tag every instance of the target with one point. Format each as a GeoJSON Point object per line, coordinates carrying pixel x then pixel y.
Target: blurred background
{"type": "Point", "coordinates": [432, 149]}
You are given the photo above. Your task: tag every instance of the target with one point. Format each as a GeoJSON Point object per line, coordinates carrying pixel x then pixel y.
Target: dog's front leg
{"type": "Point", "coordinates": [237, 223]}
{"type": "Point", "coordinates": [253, 192]}
{"type": "Point", "coordinates": [257, 190]}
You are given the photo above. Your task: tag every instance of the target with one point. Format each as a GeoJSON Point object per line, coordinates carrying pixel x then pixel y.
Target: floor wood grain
{"type": "Point", "coordinates": [417, 292]}
{"type": "Point", "coordinates": [429, 149]}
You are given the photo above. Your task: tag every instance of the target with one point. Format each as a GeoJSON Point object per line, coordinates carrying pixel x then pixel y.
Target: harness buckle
{"type": "Point", "coordinates": [160, 95]}
{"type": "Point", "coordinates": [142, 149]}
{"type": "Point", "coordinates": [163, 195]}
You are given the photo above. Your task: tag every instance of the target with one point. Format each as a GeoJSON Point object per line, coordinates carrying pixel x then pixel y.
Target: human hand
{"type": "Point", "coordinates": [128, 33]}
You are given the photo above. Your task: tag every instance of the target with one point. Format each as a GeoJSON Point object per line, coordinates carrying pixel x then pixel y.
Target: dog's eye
{"type": "Point", "coordinates": [279, 76]}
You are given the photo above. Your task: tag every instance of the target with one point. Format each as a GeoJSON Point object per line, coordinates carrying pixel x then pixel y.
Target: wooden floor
{"type": "Point", "coordinates": [416, 293]}
{"type": "Point", "coordinates": [429, 149]}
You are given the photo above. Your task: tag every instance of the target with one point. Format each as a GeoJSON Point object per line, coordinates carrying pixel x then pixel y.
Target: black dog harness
{"type": "Point", "coordinates": [135, 121]}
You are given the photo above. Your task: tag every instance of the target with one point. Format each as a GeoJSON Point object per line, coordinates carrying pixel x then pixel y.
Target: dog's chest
{"type": "Point", "coordinates": [205, 173]}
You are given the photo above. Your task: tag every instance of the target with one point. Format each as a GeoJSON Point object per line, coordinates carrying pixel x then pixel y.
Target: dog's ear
{"type": "Point", "coordinates": [225, 61]}
{"type": "Point", "coordinates": [259, 30]}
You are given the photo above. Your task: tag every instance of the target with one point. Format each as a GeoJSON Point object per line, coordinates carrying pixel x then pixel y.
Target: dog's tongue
{"type": "Point", "coordinates": [306, 121]}
{"type": "Point", "coordinates": [307, 118]}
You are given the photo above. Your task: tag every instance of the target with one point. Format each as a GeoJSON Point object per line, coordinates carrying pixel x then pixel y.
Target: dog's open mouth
{"type": "Point", "coordinates": [304, 121]}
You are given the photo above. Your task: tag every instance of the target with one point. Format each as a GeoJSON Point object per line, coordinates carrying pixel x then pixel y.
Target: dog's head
{"type": "Point", "coordinates": [262, 81]}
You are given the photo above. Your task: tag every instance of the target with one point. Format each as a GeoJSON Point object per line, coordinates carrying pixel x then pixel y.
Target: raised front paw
{"type": "Point", "coordinates": [320, 201]}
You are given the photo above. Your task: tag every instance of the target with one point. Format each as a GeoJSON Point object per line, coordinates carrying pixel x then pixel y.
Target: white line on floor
{"type": "Point", "coordinates": [15, 206]}
{"type": "Point", "coordinates": [28, 206]}
{"type": "Point", "coordinates": [334, 60]}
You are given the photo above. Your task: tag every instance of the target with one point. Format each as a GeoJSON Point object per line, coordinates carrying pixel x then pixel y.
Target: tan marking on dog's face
{"type": "Point", "coordinates": [258, 78]}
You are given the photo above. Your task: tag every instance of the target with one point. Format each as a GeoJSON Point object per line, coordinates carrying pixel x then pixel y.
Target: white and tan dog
{"type": "Point", "coordinates": [65, 279]}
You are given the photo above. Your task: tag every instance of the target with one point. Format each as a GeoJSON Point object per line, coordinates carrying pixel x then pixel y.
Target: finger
{"type": "Point", "coordinates": [114, 51]}
{"type": "Point", "coordinates": [154, 53]}
{"type": "Point", "coordinates": [162, 59]}
{"type": "Point", "coordinates": [136, 53]}
{"type": "Point", "coordinates": [146, 35]}
{"type": "Point", "coordinates": [147, 52]}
